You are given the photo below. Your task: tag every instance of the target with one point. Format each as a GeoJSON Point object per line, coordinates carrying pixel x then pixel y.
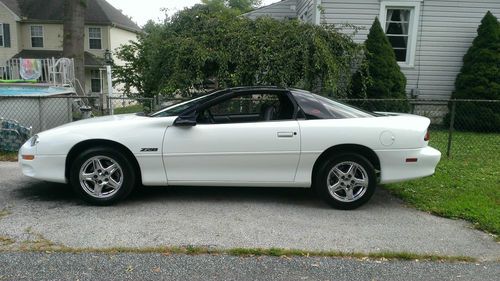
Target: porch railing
{"type": "Point", "coordinates": [57, 72]}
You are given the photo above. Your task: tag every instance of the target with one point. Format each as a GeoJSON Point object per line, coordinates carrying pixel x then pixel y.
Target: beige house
{"type": "Point", "coordinates": [34, 29]}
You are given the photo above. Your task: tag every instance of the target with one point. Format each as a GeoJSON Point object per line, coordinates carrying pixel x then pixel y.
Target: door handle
{"type": "Point", "coordinates": [286, 134]}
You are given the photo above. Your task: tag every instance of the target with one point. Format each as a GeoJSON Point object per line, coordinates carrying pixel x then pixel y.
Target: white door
{"type": "Point", "coordinates": [241, 152]}
{"type": "Point", "coordinates": [238, 140]}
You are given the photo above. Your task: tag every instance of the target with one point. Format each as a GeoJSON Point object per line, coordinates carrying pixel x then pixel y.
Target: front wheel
{"type": "Point", "coordinates": [102, 176]}
{"type": "Point", "coordinates": [346, 181]}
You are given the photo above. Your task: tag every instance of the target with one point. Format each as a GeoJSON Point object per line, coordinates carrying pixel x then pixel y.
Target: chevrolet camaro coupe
{"type": "Point", "coordinates": [248, 136]}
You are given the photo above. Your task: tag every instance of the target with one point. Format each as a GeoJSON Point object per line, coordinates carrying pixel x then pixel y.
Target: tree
{"type": "Point", "coordinates": [198, 45]}
{"type": "Point", "coordinates": [241, 6]}
{"type": "Point", "coordinates": [479, 78]}
{"type": "Point", "coordinates": [73, 38]}
{"type": "Point", "coordinates": [386, 81]}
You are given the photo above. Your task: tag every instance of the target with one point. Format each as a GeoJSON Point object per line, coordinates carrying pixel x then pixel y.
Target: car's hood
{"type": "Point", "coordinates": [110, 118]}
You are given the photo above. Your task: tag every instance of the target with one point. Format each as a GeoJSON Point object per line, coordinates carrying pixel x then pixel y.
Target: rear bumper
{"type": "Point", "coordinates": [394, 166]}
{"type": "Point", "coordinates": [43, 167]}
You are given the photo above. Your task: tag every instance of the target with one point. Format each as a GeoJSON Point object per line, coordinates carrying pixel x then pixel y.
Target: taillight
{"type": "Point", "coordinates": [427, 136]}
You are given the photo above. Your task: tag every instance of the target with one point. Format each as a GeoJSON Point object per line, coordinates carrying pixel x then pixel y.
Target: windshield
{"type": "Point", "coordinates": [176, 109]}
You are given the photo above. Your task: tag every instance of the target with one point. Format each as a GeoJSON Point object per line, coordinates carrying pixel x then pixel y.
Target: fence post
{"type": "Point", "coordinates": [101, 101]}
{"type": "Point", "coordinates": [452, 121]}
{"type": "Point", "coordinates": [110, 105]}
{"type": "Point", "coordinates": [69, 104]}
{"type": "Point", "coordinates": [40, 115]}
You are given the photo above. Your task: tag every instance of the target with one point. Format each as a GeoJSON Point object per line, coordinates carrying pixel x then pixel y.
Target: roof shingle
{"type": "Point", "coordinates": [90, 59]}
{"type": "Point", "coordinates": [98, 12]}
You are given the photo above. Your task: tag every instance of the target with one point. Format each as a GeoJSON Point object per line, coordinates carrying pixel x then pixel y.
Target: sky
{"type": "Point", "coordinates": [142, 11]}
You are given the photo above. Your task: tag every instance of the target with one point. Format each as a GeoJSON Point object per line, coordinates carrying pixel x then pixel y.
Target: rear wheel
{"type": "Point", "coordinates": [346, 181]}
{"type": "Point", "coordinates": [102, 176]}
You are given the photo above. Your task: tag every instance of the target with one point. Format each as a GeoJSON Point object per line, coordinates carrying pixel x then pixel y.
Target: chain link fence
{"type": "Point", "coordinates": [458, 127]}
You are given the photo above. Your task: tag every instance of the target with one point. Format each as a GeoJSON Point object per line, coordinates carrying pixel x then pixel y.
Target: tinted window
{"type": "Point", "coordinates": [249, 107]}
{"type": "Point", "coordinates": [310, 106]}
{"type": "Point", "coordinates": [318, 107]}
{"type": "Point", "coordinates": [176, 109]}
{"type": "Point", "coordinates": [339, 110]}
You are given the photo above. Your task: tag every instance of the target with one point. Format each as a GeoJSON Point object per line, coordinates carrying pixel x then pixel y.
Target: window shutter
{"type": "Point", "coordinates": [6, 35]}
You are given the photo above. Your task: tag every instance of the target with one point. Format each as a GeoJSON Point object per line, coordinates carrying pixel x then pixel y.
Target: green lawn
{"type": "Point", "coordinates": [8, 156]}
{"type": "Point", "coordinates": [465, 186]}
{"type": "Point", "coordinates": [129, 109]}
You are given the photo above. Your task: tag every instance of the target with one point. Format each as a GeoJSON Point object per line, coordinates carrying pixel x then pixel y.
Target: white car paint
{"type": "Point", "coordinates": [276, 153]}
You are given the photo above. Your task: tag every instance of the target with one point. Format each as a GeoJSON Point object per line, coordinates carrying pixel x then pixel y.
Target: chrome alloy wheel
{"type": "Point", "coordinates": [101, 177]}
{"type": "Point", "coordinates": [347, 181]}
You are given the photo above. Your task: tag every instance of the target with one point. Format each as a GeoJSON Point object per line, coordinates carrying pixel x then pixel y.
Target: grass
{"type": "Point", "coordinates": [4, 212]}
{"type": "Point", "coordinates": [49, 247]}
{"type": "Point", "coordinates": [129, 109]}
{"type": "Point", "coordinates": [465, 186]}
{"type": "Point", "coordinates": [6, 241]}
{"type": "Point", "coordinates": [36, 242]}
{"type": "Point", "coordinates": [8, 156]}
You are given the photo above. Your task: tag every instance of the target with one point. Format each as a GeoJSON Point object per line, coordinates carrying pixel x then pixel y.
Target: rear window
{"type": "Point", "coordinates": [310, 106]}
{"type": "Point", "coordinates": [339, 110]}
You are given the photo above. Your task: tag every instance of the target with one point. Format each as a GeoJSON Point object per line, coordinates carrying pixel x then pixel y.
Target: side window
{"type": "Point", "coordinates": [95, 38]}
{"type": "Point", "coordinates": [95, 81]}
{"type": "Point", "coordinates": [246, 104]}
{"type": "Point", "coordinates": [251, 107]}
{"type": "Point", "coordinates": [37, 36]}
{"type": "Point", "coordinates": [400, 21]}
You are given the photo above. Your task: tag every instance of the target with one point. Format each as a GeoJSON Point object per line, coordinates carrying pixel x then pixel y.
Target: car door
{"type": "Point", "coordinates": [237, 147]}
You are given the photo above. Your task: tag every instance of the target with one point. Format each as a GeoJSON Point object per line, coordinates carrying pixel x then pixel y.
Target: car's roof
{"type": "Point", "coordinates": [250, 88]}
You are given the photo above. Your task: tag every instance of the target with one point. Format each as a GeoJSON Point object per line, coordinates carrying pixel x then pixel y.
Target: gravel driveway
{"type": "Point", "coordinates": [228, 218]}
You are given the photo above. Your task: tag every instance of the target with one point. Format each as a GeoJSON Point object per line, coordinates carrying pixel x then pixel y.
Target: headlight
{"type": "Point", "coordinates": [34, 140]}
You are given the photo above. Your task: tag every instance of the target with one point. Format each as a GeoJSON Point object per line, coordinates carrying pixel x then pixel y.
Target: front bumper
{"type": "Point", "coordinates": [43, 167]}
{"type": "Point", "coordinates": [394, 166]}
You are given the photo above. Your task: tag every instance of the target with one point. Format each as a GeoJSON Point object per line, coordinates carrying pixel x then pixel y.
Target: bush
{"type": "Point", "coordinates": [204, 45]}
{"type": "Point", "coordinates": [386, 81]}
{"type": "Point", "coordinates": [479, 78]}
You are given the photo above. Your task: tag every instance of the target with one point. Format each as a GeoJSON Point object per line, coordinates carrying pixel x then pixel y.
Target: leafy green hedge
{"type": "Point", "coordinates": [204, 45]}
{"type": "Point", "coordinates": [386, 81]}
{"type": "Point", "coordinates": [479, 78]}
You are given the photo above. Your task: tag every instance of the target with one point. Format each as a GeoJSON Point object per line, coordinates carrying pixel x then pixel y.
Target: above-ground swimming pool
{"type": "Point", "coordinates": [33, 90]}
{"type": "Point", "coordinates": [40, 107]}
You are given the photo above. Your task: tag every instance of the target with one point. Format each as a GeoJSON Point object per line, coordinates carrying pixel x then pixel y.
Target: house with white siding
{"type": "Point", "coordinates": [429, 37]}
{"type": "Point", "coordinates": [33, 29]}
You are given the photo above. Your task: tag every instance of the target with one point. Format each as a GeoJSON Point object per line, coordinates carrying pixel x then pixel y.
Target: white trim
{"type": "Point", "coordinates": [43, 35]}
{"type": "Point", "coordinates": [3, 37]}
{"type": "Point", "coordinates": [414, 24]}
{"type": "Point", "coordinates": [317, 12]}
{"type": "Point", "coordinates": [16, 17]}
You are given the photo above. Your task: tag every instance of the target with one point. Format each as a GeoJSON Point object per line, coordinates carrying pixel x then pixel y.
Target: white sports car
{"type": "Point", "coordinates": [249, 136]}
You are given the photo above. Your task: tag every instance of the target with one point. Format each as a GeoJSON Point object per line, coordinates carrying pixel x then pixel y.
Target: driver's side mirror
{"type": "Point", "coordinates": [186, 120]}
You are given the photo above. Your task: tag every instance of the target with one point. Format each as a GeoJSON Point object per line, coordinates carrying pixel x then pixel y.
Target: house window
{"type": "Point", "coordinates": [1, 35]}
{"type": "Point", "coordinates": [95, 38]}
{"type": "Point", "coordinates": [95, 81]}
{"type": "Point", "coordinates": [36, 36]}
{"type": "Point", "coordinates": [400, 23]}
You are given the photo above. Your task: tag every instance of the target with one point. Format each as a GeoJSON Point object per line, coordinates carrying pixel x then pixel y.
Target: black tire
{"type": "Point", "coordinates": [128, 175]}
{"type": "Point", "coordinates": [322, 176]}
